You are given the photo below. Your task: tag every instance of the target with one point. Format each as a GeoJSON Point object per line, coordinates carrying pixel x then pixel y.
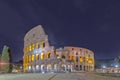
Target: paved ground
{"type": "Point", "coordinates": [34, 76]}
{"type": "Point", "coordinates": [66, 76]}
{"type": "Point", "coordinates": [93, 76]}
{"type": "Point", "coordinates": [53, 76]}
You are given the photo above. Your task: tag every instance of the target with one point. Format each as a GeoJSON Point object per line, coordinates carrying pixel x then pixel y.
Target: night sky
{"type": "Point", "coordinates": [92, 24]}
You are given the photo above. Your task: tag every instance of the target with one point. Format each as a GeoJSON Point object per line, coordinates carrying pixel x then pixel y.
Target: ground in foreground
{"type": "Point", "coordinates": [53, 76]}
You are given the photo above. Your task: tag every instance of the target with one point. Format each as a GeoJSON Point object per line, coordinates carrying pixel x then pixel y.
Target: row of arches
{"type": "Point", "coordinates": [57, 68]}
{"type": "Point", "coordinates": [33, 57]}
{"type": "Point", "coordinates": [84, 67]}
{"type": "Point", "coordinates": [79, 59]}
{"type": "Point", "coordinates": [48, 68]}
{"type": "Point", "coordinates": [34, 46]}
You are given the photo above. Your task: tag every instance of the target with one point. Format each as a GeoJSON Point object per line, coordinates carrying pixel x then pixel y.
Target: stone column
{"type": "Point", "coordinates": [33, 68]}
{"type": "Point", "coordinates": [42, 68]}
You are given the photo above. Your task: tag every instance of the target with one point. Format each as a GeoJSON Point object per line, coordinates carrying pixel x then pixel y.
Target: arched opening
{"type": "Point", "coordinates": [57, 56]}
{"type": "Point", "coordinates": [87, 68]}
{"type": "Point", "coordinates": [43, 44]}
{"type": "Point", "coordinates": [81, 60]}
{"type": "Point", "coordinates": [76, 53]}
{"type": "Point", "coordinates": [84, 68]}
{"type": "Point", "coordinates": [29, 68]}
{"type": "Point", "coordinates": [71, 58]}
{"type": "Point", "coordinates": [55, 67]}
{"type": "Point", "coordinates": [76, 67]}
{"type": "Point", "coordinates": [29, 58]}
{"type": "Point", "coordinates": [37, 57]}
{"type": "Point", "coordinates": [32, 46]}
{"type": "Point", "coordinates": [90, 61]}
{"type": "Point", "coordinates": [64, 67]}
{"type": "Point", "coordinates": [33, 68]}
{"type": "Point", "coordinates": [76, 58]}
{"type": "Point", "coordinates": [42, 56]}
{"type": "Point", "coordinates": [69, 67]}
{"type": "Point", "coordinates": [37, 44]}
{"type": "Point", "coordinates": [48, 55]}
{"type": "Point", "coordinates": [37, 68]}
{"type": "Point", "coordinates": [80, 67]}
{"type": "Point", "coordinates": [49, 67]}
{"type": "Point", "coordinates": [33, 57]}
{"type": "Point", "coordinates": [42, 68]}
{"type": "Point", "coordinates": [63, 56]}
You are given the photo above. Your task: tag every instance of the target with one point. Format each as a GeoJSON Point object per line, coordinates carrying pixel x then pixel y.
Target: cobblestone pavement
{"type": "Point", "coordinates": [53, 76]}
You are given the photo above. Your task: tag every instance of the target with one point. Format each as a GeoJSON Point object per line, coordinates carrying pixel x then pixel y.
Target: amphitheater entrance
{"type": "Point", "coordinates": [37, 68]}
{"type": "Point", "coordinates": [64, 68]}
{"type": "Point", "coordinates": [69, 68]}
{"type": "Point", "coordinates": [56, 68]}
{"type": "Point", "coordinates": [42, 68]}
{"type": "Point", "coordinates": [49, 67]}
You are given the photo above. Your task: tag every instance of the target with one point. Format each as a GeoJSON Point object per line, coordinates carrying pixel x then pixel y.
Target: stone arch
{"type": "Point", "coordinates": [81, 59]}
{"type": "Point", "coordinates": [48, 54]}
{"type": "Point", "coordinates": [37, 68]}
{"type": "Point", "coordinates": [33, 68]}
{"type": "Point", "coordinates": [70, 67]}
{"type": "Point", "coordinates": [43, 44]}
{"type": "Point", "coordinates": [80, 67]}
{"type": "Point", "coordinates": [42, 56]}
{"type": "Point", "coordinates": [49, 67]}
{"type": "Point", "coordinates": [63, 56]}
{"type": "Point", "coordinates": [64, 67]}
{"type": "Point", "coordinates": [42, 67]}
{"type": "Point", "coordinates": [55, 67]}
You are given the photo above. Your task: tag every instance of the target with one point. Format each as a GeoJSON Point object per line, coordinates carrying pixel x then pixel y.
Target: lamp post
{"type": "Point", "coordinates": [103, 68]}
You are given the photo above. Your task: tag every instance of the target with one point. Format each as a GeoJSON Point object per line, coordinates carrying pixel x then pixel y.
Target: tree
{"type": "Point", "coordinates": [0, 60]}
{"type": "Point", "coordinates": [6, 65]}
{"type": "Point", "coordinates": [0, 56]}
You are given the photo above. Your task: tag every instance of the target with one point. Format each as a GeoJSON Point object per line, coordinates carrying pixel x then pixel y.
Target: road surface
{"type": "Point", "coordinates": [54, 76]}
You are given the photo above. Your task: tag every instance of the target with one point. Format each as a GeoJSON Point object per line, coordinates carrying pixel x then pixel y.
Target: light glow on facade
{"type": "Point", "coordinates": [42, 56]}
{"type": "Point", "coordinates": [39, 56]}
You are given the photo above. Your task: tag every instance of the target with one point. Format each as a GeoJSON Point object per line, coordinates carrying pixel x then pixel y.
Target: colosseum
{"type": "Point", "coordinates": [39, 56]}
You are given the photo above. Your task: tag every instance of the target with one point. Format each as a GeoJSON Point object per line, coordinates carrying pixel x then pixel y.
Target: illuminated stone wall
{"type": "Point", "coordinates": [83, 59]}
{"type": "Point", "coordinates": [39, 56]}
{"type": "Point", "coordinates": [36, 49]}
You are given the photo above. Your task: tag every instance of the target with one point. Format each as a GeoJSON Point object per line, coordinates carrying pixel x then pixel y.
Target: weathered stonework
{"type": "Point", "coordinates": [39, 56]}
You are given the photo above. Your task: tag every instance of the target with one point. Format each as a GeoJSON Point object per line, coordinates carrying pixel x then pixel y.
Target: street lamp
{"type": "Point", "coordinates": [103, 66]}
{"type": "Point", "coordinates": [116, 66]}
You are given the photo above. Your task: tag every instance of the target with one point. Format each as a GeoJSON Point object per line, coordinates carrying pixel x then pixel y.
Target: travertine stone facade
{"type": "Point", "coordinates": [37, 52]}
{"type": "Point", "coordinates": [39, 56]}
{"type": "Point", "coordinates": [83, 59]}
